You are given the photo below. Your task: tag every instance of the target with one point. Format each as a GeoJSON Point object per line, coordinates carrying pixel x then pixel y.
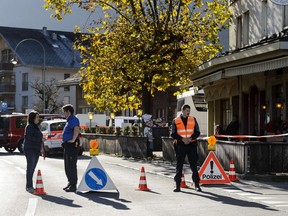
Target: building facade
{"type": "Point", "coordinates": [250, 81]}
{"type": "Point", "coordinates": [42, 56]}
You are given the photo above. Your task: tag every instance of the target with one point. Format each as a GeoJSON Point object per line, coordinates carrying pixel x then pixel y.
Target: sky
{"type": "Point", "coordinates": [31, 14]}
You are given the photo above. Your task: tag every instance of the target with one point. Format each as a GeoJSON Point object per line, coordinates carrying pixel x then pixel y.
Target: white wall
{"type": "Point", "coordinates": [273, 19]}
{"type": "Point", "coordinates": [31, 14]}
{"type": "Point", "coordinates": [34, 74]}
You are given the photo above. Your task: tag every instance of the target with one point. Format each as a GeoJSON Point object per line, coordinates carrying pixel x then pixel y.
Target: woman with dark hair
{"type": "Point", "coordinates": [32, 147]}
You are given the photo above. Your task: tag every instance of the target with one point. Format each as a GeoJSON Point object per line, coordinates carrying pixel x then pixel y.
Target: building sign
{"type": "Point", "coordinates": [3, 106]}
{"type": "Point", "coordinates": [280, 2]}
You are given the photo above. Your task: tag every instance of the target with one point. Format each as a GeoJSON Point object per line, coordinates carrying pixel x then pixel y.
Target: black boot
{"type": "Point", "coordinates": [197, 187]}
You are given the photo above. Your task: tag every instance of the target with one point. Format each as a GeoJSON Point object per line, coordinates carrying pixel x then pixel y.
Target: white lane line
{"type": "Point", "coordinates": [245, 194]}
{"type": "Point", "coordinates": [32, 205]}
{"type": "Point", "coordinates": [274, 202]}
{"type": "Point", "coordinates": [21, 170]}
{"type": "Point", "coordinates": [6, 161]}
{"type": "Point", "coordinates": [232, 190]}
{"type": "Point", "coordinates": [281, 205]}
{"type": "Point", "coordinates": [260, 198]}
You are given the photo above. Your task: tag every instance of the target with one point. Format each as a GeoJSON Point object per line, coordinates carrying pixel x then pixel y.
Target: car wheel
{"type": "Point", "coordinates": [21, 146]}
{"type": "Point", "coordinates": [9, 149]}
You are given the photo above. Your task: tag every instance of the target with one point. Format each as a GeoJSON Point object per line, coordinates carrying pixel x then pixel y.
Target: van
{"type": "Point", "coordinates": [12, 128]}
{"type": "Point", "coordinates": [196, 100]}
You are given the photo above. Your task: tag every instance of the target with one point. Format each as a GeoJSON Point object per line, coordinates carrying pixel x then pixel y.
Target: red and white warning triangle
{"type": "Point", "coordinates": [211, 172]}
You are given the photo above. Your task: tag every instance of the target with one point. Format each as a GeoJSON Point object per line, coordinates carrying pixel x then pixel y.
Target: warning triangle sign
{"type": "Point", "coordinates": [95, 178]}
{"type": "Point", "coordinates": [211, 172]}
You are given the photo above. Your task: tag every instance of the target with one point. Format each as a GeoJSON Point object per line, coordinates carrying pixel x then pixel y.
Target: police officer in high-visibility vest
{"type": "Point", "coordinates": [185, 131]}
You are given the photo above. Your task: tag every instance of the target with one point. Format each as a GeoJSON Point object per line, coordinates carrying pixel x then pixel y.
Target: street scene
{"type": "Point", "coordinates": [144, 107]}
{"type": "Point", "coordinates": [244, 197]}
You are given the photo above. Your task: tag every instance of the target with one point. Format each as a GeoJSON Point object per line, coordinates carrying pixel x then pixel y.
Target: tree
{"type": "Point", "coordinates": [142, 46]}
{"type": "Point", "coordinates": [51, 94]}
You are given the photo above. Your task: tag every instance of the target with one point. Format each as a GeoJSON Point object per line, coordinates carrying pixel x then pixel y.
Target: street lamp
{"type": "Point", "coordinates": [90, 116]}
{"type": "Point", "coordinates": [112, 116]}
{"type": "Point", "coordinates": [15, 61]}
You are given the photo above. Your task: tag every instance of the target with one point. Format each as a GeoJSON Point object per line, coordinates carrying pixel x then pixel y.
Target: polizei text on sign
{"type": "Point", "coordinates": [211, 176]}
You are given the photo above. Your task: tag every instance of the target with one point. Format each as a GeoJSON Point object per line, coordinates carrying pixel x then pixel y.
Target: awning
{"type": "Point", "coordinates": [207, 79]}
{"type": "Point", "coordinates": [257, 67]}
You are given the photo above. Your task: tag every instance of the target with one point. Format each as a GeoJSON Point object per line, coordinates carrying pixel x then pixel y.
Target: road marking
{"type": "Point", "coordinates": [6, 161]}
{"type": "Point", "coordinates": [274, 202]}
{"type": "Point", "coordinates": [21, 170]}
{"type": "Point", "coordinates": [232, 190]}
{"type": "Point", "coordinates": [259, 198]}
{"type": "Point", "coordinates": [244, 194]}
{"type": "Point", "coordinates": [32, 205]}
{"type": "Point", "coordinates": [281, 205]}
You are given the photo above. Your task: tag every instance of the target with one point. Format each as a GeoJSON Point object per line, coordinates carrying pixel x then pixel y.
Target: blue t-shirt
{"type": "Point", "coordinates": [68, 131]}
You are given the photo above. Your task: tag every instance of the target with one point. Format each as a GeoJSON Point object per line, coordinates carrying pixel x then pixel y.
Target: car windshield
{"type": "Point", "coordinates": [57, 126]}
{"type": "Point", "coordinates": [4, 122]}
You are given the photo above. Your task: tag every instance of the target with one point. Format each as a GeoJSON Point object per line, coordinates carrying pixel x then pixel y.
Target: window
{"type": "Point", "coordinates": [285, 16]}
{"type": "Point", "coordinates": [6, 56]}
{"type": "Point", "coordinates": [239, 32]}
{"type": "Point", "coordinates": [25, 82]}
{"type": "Point", "coordinates": [66, 88]}
{"type": "Point", "coordinates": [66, 100]}
{"type": "Point", "coordinates": [264, 18]}
{"type": "Point", "coordinates": [246, 28]}
{"type": "Point", "coordinates": [199, 102]}
{"type": "Point", "coordinates": [226, 112]}
{"type": "Point", "coordinates": [180, 103]}
{"type": "Point", "coordinates": [21, 122]}
{"type": "Point", "coordinates": [24, 103]}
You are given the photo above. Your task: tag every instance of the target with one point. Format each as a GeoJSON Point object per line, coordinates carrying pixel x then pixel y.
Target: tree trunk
{"type": "Point", "coordinates": [147, 105]}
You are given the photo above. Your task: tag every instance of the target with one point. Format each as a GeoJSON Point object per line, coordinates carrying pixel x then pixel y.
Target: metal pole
{"type": "Point", "coordinates": [43, 69]}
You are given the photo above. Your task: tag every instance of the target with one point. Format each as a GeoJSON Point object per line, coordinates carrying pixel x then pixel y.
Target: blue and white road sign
{"type": "Point", "coordinates": [4, 106]}
{"type": "Point", "coordinates": [95, 179]}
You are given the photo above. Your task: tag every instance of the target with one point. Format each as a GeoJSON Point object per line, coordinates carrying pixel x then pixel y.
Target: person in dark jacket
{"type": "Point", "coordinates": [185, 131]}
{"type": "Point", "coordinates": [32, 147]}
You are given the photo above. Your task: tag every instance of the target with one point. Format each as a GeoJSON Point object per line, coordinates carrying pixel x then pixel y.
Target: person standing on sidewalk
{"type": "Point", "coordinates": [70, 138]}
{"type": "Point", "coordinates": [185, 131]}
{"type": "Point", "coordinates": [32, 147]}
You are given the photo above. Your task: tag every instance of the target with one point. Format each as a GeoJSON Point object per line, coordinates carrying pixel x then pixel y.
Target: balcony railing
{"type": "Point", "coordinates": [5, 87]}
{"type": "Point", "coordinates": [6, 66]}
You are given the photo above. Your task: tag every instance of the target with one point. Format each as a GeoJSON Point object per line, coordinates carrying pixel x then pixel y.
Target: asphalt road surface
{"type": "Point", "coordinates": [249, 198]}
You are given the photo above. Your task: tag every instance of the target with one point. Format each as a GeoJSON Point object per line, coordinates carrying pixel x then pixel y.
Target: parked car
{"type": "Point", "coordinates": [52, 133]}
{"type": "Point", "coordinates": [12, 128]}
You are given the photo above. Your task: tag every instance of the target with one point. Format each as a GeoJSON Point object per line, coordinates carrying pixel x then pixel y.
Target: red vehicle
{"type": "Point", "coordinates": [12, 129]}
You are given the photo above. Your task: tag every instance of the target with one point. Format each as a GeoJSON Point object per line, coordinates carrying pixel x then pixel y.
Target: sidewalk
{"type": "Point", "coordinates": [158, 166]}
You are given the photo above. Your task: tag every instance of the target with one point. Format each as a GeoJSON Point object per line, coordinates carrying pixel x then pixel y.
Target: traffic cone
{"type": "Point", "coordinates": [143, 183]}
{"type": "Point", "coordinates": [183, 183]}
{"type": "Point", "coordinates": [232, 174]}
{"type": "Point", "coordinates": [39, 184]}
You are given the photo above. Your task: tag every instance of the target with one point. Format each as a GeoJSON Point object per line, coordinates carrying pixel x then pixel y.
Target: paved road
{"type": "Point", "coordinates": [247, 198]}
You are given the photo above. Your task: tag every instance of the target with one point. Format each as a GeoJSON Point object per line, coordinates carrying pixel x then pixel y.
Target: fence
{"type": "Point", "coordinates": [248, 156]}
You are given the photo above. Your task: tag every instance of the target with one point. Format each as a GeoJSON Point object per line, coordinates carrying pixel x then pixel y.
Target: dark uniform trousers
{"type": "Point", "coordinates": [191, 151]}
{"type": "Point", "coordinates": [70, 162]}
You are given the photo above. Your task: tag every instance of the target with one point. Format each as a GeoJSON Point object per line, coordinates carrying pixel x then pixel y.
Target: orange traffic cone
{"type": "Point", "coordinates": [232, 174]}
{"type": "Point", "coordinates": [39, 184]}
{"type": "Point", "coordinates": [143, 183]}
{"type": "Point", "coordinates": [183, 183]}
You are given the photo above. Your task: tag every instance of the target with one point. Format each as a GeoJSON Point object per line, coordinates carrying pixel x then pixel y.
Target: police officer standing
{"type": "Point", "coordinates": [70, 138]}
{"type": "Point", "coordinates": [185, 131]}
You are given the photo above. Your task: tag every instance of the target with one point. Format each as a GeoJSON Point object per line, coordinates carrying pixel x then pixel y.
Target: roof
{"type": "Point", "coordinates": [29, 44]}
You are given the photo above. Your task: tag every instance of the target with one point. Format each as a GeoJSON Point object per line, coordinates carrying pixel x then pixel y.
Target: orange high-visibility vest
{"type": "Point", "coordinates": [181, 130]}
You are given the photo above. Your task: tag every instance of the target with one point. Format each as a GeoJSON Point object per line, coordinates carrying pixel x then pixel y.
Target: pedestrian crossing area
{"type": "Point", "coordinates": [276, 200]}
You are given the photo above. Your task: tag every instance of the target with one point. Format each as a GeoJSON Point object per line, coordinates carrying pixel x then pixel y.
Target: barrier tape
{"type": "Point", "coordinates": [250, 136]}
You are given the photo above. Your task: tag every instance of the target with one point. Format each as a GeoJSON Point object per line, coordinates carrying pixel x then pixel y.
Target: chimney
{"type": "Point", "coordinates": [45, 31]}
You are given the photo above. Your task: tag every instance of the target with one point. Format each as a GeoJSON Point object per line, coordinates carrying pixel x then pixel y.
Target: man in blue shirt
{"type": "Point", "coordinates": [70, 138]}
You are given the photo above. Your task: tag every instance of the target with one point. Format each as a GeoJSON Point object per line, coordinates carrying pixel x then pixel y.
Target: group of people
{"type": "Point", "coordinates": [185, 131]}
{"type": "Point", "coordinates": [33, 141]}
